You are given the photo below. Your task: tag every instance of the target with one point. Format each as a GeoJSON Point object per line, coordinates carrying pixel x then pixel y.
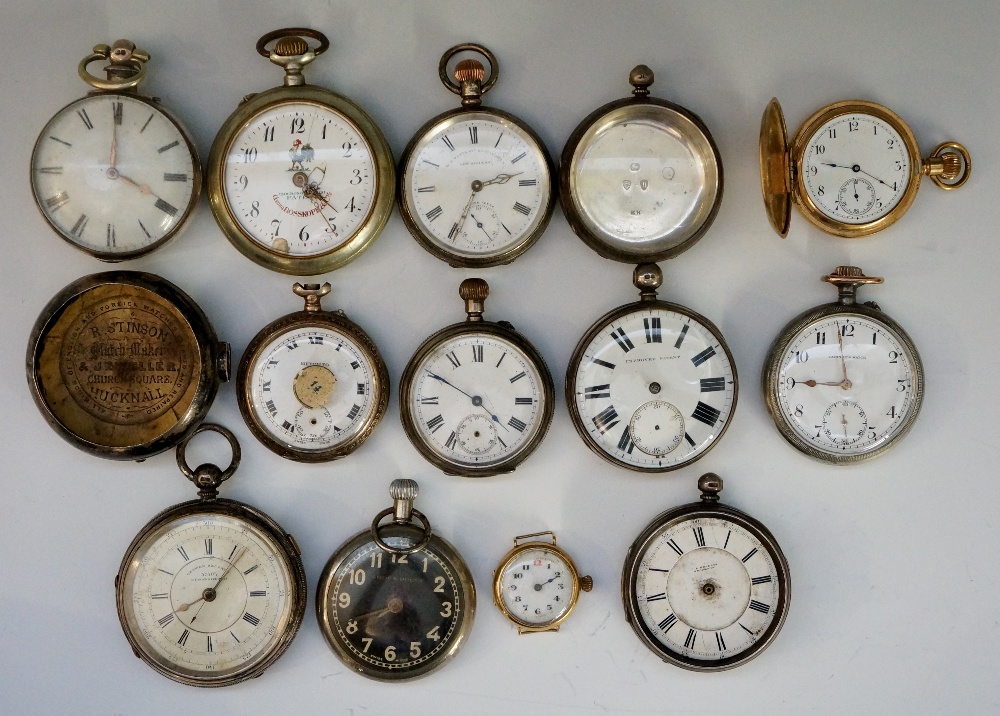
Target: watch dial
{"type": "Point", "coordinates": [312, 388]}
{"type": "Point", "coordinates": [855, 168]}
{"type": "Point", "coordinates": [114, 175]}
{"type": "Point", "coordinates": [653, 389]}
{"type": "Point", "coordinates": [299, 179]}
{"type": "Point", "coordinates": [208, 596]}
{"type": "Point", "coordinates": [708, 589]}
{"type": "Point", "coordinates": [477, 185]}
{"type": "Point", "coordinates": [537, 586]}
{"type": "Point", "coordinates": [847, 385]}
{"type": "Point", "coordinates": [477, 400]}
{"type": "Point", "coordinates": [645, 179]}
{"type": "Point", "coordinates": [396, 616]}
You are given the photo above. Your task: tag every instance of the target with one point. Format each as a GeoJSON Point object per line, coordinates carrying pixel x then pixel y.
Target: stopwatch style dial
{"type": "Point", "coordinates": [706, 587]}
{"type": "Point", "coordinates": [299, 179]}
{"type": "Point", "coordinates": [856, 168]}
{"type": "Point", "coordinates": [477, 400]}
{"type": "Point", "coordinates": [844, 383]}
{"type": "Point", "coordinates": [476, 186]}
{"type": "Point", "coordinates": [652, 385]}
{"type": "Point", "coordinates": [115, 175]}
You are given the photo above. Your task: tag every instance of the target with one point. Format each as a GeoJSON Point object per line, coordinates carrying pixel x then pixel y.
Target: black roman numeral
{"type": "Point", "coordinates": [606, 419]}
{"type": "Point", "coordinates": [517, 425]}
{"type": "Point", "coordinates": [112, 236]}
{"type": "Point", "coordinates": [163, 595]}
{"type": "Point", "coordinates": [50, 170]}
{"type": "Point", "coordinates": [168, 147]}
{"type": "Point", "coordinates": [699, 536]}
{"type": "Point", "coordinates": [622, 340]}
{"type": "Point", "coordinates": [288, 426]}
{"type": "Point", "coordinates": [720, 641]}
{"type": "Point", "coordinates": [523, 401]}
{"type": "Point", "coordinates": [183, 640]}
{"type": "Point", "coordinates": [57, 200]}
{"type": "Point", "coordinates": [353, 412]}
{"type": "Point", "coordinates": [656, 597]}
{"type": "Point", "coordinates": [144, 229]}
{"type": "Point", "coordinates": [361, 388]}
{"type": "Point", "coordinates": [517, 377]}
{"type": "Point", "coordinates": [750, 554]}
{"type": "Point", "coordinates": [675, 547]}
{"type": "Point", "coordinates": [711, 385]}
{"type": "Point", "coordinates": [604, 363]}
{"type": "Point", "coordinates": [706, 414]}
{"type": "Point", "coordinates": [429, 401]}
{"type": "Point", "coordinates": [117, 112]}
{"type": "Point", "coordinates": [354, 364]}
{"type": "Point", "coordinates": [703, 356]}
{"type": "Point", "coordinates": [455, 362]}
{"type": "Point", "coordinates": [689, 641]}
{"type": "Point", "coordinates": [450, 442]}
{"type": "Point", "coordinates": [271, 408]}
{"type": "Point", "coordinates": [258, 593]}
{"type": "Point", "coordinates": [518, 158]}
{"type": "Point", "coordinates": [79, 226]}
{"type": "Point", "coordinates": [85, 118]}
{"type": "Point", "coordinates": [434, 213]}
{"type": "Point", "coordinates": [527, 182]}
{"type": "Point", "coordinates": [625, 443]}
{"type": "Point", "coordinates": [163, 621]}
{"type": "Point", "coordinates": [208, 638]}
{"type": "Point", "coordinates": [448, 143]}
{"type": "Point", "coordinates": [518, 206]}
{"type": "Point", "coordinates": [426, 189]}
{"type": "Point", "coordinates": [682, 336]}
{"type": "Point", "coordinates": [248, 571]}
{"type": "Point", "coordinates": [667, 623]}
{"type": "Point", "coordinates": [166, 207]}
{"type": "Point", "coordinates": [146, 124]}
{"type": "Point", "coordinates": [208, 546]}
{"type": "Point", "coordinates": [760, 606]}
{"type": "Point", "coordinates": [474, 135]}
{"type": "Point", "coordinates": [183, 554]}
{"type": "Point", "coordinates": [761, 580]}
{"type": "Point", "coordinates": [250, 618]}
{"type": "Point", "coordinates": [690, 440]}
{"type": "Point", "coordinates": [597, 391]}
{"type": "Point", "coordinates": [654, 334]}
{"type": "Point", "coordinates": [435, 423]}
{"type": "Point", "coordinates": [167, 176]}
{"type": "Point", "coordinates": [477, 354]}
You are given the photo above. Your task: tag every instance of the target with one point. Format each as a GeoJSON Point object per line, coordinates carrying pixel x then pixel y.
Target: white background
{"type": "Point", "coordinates": [894, 563]}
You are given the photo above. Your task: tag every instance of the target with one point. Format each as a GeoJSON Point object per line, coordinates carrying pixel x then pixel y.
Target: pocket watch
{"type": "Point", "coordinates": [652, 385]}
{"type": "Point", "coordinates": [476, 185]}
{"type": "Point", "coordinates": [114, 173]}
{"type": "Point", "coordinates": [705, 586]}
{"type": "Point", "coordinates": [843, 382]}
{"type": "Point", "coordinates": [537, 585]}
{"type": "Point", "coordinates": [852, 169]}
{"type": "Point", "coordinates": [312, 384]}
{"type": "Point", "coordinates": [476, 398]}
{"type": "Point", "coordinates": [124, 364]}
{"type": "Point", "coordinates": [640, 178]}
{"type": "Point", "coordinates": [300, 179]}
{"type": "Point", "coordinates": [211, 591]}
{"type": "Point", "coordinates": [396, 602]}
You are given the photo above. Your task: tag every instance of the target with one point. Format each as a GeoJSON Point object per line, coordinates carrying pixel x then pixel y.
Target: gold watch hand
{"type": "Point", "coordinates": [501, 179]}
{"type": "Point", "coordinates": [843, 361]}
{"type": "Point", "coordinates": [813, 383]}
{"type": "Point", "coordinates": [114, 143]}
{"type": "Point", "coordinates": [143, 188]}
{"type": "Point", "coordinates": [465, 212]}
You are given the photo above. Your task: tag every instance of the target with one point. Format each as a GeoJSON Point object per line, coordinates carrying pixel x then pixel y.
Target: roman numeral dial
{"type": "Point", "coordinates": [101, 183]}
{"type": "Point", "coordinates": [659, 371]}
{"type": "Point", "coordinates": [492, 188]}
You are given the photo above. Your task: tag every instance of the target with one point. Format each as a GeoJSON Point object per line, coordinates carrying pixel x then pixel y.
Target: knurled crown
{"type": "Point", "coordinates": [586, 583]}
{"type": "Point", "coordinates": [469, 70]}
{"type": "Point", "coordinates": [647, 278]}
{"type": "Point", "coordinates": [848, 272]}
{"type": "Point", "coordinates": [474, 289]}
{"type": "Point", "coordinates": [291, 46]}
{"type": "Point", "coordinates": [641, 77]}
{"type": "Point", "coordinates": [710, 485]}
{"type": "Point", "coordinates": [404, 489]}
{"type": "Point", "coordinates": [952, 165]}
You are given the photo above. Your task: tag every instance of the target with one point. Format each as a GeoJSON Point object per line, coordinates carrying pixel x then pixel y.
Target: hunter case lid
{"type": "Point", "coordinates": [775, 177]}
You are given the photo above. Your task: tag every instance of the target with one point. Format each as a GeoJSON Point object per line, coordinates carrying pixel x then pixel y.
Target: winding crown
{"type": "Point", "coordinates": [469, 70]}
{"type": "Point", "coordinates": [291, 46]}
{"type": "Point", "coordinates": [404, 489]}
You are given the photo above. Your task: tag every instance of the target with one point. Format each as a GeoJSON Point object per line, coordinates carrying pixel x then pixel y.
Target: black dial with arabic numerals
{"type": "Point", "coordinates": [391, 615]}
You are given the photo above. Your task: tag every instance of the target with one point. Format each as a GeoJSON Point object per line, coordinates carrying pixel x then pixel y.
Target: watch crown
{"type": "Point", "coordinates": [586, 583]}
{"type": "Point", "coordinates": [710, 485]}
{"type": "Point", "coordinates": [291, 46]}
{"type": "Point", "coordinates": [952, 166]}
{"type": "Point", "coordinates": [641, 77]}
{"type": "Point", "coordinates": [474, 292]}
{"type": "Point", "coordinates": [468, 70]}
{"type": "Point", "coordinates": [647, 278]}
{"type": "Point", "coordinates": [312, 293]}
{"type": "Point", "coordinates": [404, 489]}
{"type": "Point", "coordinates": [848, 271]}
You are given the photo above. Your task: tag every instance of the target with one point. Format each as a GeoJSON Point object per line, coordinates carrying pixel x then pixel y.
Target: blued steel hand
{"type": "Point", "coordinates": [479, 225]}
{"type": "Point", "coordinates": [857, 168]}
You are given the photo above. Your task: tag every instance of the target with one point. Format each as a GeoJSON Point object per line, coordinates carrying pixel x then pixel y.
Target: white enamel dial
{"type": "Point", "coordinates": [299, 179]}
{"type": "Point", "coordinates": [654, 388]}
{"type": "Point", "coordinates": [855, 168]}
{"type": "Point", "coordinates": [113, 174]}
{"type": "Point", "coordinates": [707, 588]}
{"type": "Point", "coordinates": [477, 400]}
{"type": "Point", "coordinates": [312, 388]}
{"type": "Point", "coordinates": [847, 384]}
{"type": "Point", "coordinates": [208, 595]}
{"type": "Point", "coordinates": [476, 185]}
{"type": "Point", "coordinates": [537, 586]}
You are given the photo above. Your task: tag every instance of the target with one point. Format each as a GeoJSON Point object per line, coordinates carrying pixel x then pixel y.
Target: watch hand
{"type": "Point", "coordinates": [492, 414]}
{"type": "Point", "coordinates": [843, 361]}
{"type": "Point", "coordinates": [856, 168]}
{"type": "Point", "coordinates": [479, 224]}
{"type": "Point", "coordinates": [143, 188]}
{"type": "Point", "coordinates": [843, 421]}
{"type": "Point", "coordinates": [114, 143]}
{"type": "Point", "coordinates": [313, 193]}
{"type": "Point", "coordinates": [538, 587]}
{"type": "Point", "coordinates": [435, 376]}
{"type": "Point", "coordinates": [501, 179]}
{"type": "Point", "coordinates": [211, 590]}
{"type": "Point", "coordinates": [845, 384]}
{"type": "Point", "coordinates": [465, 212]}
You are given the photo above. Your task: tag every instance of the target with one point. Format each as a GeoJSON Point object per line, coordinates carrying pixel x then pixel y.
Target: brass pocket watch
{"type": "Point", "coordinates": [843, 382]}
{"type": "Point", "coordinates": [312, 384]}
{"type": "Point", "coordinates": [852, 169]}
{"type": "Point", "coordinates": [396, 601]}
{"type": "Point", "coordinates": [124, 364]}
{"type": "Point", "coordinates": [476, 184]}
{"type": "Point", "coordinates": [211, 591]}
{"type": "Point", "coordinates": [652, 385]}
{"type": "Point", "coordinates": [705, 586]}
{"type": "Point", "coordinates": [476, 398]}
{"type": "Point", "coordinates": [300, 179]}
{"type": "Point", "coordinates": [640, 178]}
{"type": "Point", "coordinates": [536, 585]}
{"type": "Point", "coordinates": [114, 173]}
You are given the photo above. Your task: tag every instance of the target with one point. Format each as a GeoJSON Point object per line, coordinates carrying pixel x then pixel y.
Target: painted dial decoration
{"type": "Point", "coordinates": [477, 400]}
{"type": "Point", "coordinates": [299, 179]}
{"type": "Point", "coordinates": [652, 385]}
{"type": "Point", "coordinates": [476, 186]}
{"type": "Point", "coordinates": [115, 175]}
{"type": "Point", "coordinates": [209, 595]}
{"type": "Point", "coordinates": [312, 388]}
{"type": "Point", "coordinates": [706, 586]}
{"type": "Point", "coordinates": [843, 382]}
{"type": "Point", "coordinates": [856, 168]}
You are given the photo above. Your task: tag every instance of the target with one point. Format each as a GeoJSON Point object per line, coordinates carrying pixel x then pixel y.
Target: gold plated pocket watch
{"type": "Point", "coordinates": [396, 601]}
{"type": "Point", "coordinates": [211, 591]}
{"type": "Point", "coordinates": [476, 398]}
{"type": "Point", "coordinates": [114, 173]}
{"type": "Point", "coordinates": [852, 169]}
{"type": "Point", "coordinates": [640, 178]}
{"type": "Point", "coordinates": [124, 364]}
{"type": "Point", "coordinates": [705, 586]}
{"type": "Point", "coordinates": [652, 385]}
{"type": "Point", "coordinates": [300, 179]}
{"type": "Point", "coordinates": [843, 382]}
{"type": "Point", "coordinates": [536, 585]}
{"type": "Point", "coordinates": [476, 184]}
{"type": "Point", "coordinates": [312, 384]}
